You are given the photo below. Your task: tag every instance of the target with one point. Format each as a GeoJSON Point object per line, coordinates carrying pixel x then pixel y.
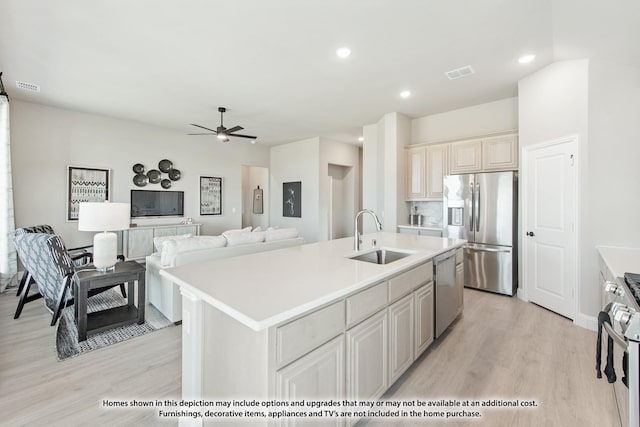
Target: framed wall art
{"type": "Point", "coordinates": [86, 185]}
{"type": "Point", "coordinates": [292, 199]}
{"type": "Point", "coordinates": [210, 195]}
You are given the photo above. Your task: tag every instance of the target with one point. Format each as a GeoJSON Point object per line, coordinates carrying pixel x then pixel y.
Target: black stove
{"type": "Point", "coordinates": [632, 281]}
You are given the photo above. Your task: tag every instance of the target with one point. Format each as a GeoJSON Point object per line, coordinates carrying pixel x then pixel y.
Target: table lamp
{"type": "Point", "coordinates": [105, 217]}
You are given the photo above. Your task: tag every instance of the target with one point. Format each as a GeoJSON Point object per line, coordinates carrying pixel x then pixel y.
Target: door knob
{"type": "Point", "coordinates": [530, 233]}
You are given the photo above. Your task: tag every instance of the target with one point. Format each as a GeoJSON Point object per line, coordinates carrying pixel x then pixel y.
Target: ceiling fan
{"type": "Point", "coordinates": [222, 132]}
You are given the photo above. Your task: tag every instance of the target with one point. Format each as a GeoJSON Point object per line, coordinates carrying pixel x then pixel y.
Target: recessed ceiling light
{"type": "Point", "coordinates": [405, 94]}
{"type": "Point", "coordinates": [361, 138]}
{"type": "Point", "coordinates": [526, 59]}
{"type": "Point", "coordinates": [343, 52]}
{"type": "Point", "coordinates": [253, 141]}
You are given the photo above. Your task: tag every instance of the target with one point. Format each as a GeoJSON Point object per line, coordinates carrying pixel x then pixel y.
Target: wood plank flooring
{"type": "Point", "coordinates": [502, 348]}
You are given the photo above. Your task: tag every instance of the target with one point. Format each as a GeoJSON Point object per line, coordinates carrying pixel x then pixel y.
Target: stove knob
{"type": "Point", "coordinates": [613, 288]}
{"type": "Point", "coordinates": [622, 316]}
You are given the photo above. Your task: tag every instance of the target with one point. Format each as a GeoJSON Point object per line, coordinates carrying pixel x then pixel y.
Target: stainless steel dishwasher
{"type": "Point", "coordinates": [447, 294]}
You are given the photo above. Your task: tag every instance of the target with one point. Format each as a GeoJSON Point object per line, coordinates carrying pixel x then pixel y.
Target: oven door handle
{"type": "Point", "coordinates": [613, 334]}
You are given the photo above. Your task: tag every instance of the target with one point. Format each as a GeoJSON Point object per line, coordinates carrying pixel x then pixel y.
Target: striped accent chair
{"type": "Point", "coordinates": [80, 256]}
{"type": "Point", "coordinates": [48, 262]}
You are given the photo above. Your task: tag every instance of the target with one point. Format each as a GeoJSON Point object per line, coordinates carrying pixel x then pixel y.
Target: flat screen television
{"type": "Point", "coordinates": [148, 203]}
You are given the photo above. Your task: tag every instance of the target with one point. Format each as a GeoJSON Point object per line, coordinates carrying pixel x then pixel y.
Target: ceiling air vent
{"type": "Point", "coordinates": [31, 87]}
{"type": "Point", "coordinates": [458, 73]}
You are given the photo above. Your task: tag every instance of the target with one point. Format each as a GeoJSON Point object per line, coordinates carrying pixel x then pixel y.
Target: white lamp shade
{"type": "Point", "coordinates": [103, 216]}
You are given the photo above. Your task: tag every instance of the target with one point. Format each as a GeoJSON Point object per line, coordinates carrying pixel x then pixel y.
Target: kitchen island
{"type": "Point", "coordinates": [308, 321]}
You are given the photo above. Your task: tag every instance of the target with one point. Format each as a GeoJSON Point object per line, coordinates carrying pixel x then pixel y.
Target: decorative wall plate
{"type": "Point", "coordinates": [165, 183]}
{"type": "Point", "coordinates": [165, 165]}
{"type": "Point", "coordinates": [138, 168]}
{"type": "Point", "coordinates": [154, 176]}
{"type": "Point", "coordinates": [174, 174]}
{"type": "Point", "coordinates": [140, 180]}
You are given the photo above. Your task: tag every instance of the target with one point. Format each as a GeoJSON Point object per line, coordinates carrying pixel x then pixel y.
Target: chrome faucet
{"type": "Point", "coordinates": [356, 234]}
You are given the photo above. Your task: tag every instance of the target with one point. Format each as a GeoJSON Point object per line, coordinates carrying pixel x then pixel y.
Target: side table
{"type": "Point", "coordinates": [124, 272]}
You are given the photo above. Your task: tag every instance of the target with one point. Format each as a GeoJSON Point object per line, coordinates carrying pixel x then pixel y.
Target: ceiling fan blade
{"type": "Point", "coordinates": [243, 136]}
{"type": "Point", "coordinates": [234, 129]}
{"type": "Point", "coordinates": [201, 133]}
{"type": "Point", "coordinates": [202, 127]}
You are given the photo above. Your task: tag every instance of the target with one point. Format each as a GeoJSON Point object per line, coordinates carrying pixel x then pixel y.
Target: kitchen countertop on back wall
{"type": "Point", "coordinates": [620, 260]}
{"type": "Point", "coordinates": [430, 227]}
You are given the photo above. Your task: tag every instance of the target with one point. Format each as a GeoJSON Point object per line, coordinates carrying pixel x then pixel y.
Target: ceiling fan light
{"type": "Point", "coordinates": [222, 136]}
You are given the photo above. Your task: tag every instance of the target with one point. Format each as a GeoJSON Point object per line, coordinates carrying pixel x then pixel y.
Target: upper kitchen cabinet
{"type": "Point", "coordinates": [416, 188]}
{"type": "Point", "coordinates": [437, 168]}
{"type": "Point", "coordinates": [495, 153]}
{"type": "Point", "coordinates": [426, 165]}
{"type": "Point", "coordinates": [465, 156]}
{"type": "Point", "coordinates": [500, 153]}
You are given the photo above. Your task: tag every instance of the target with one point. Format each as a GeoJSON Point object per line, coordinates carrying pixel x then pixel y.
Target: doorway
{"type": "Point", "coordinates": [255, 196]}
{"type": "Point", "coordinates": [549, 243]}
{"type": "Point", "coordinates": [341, 200]}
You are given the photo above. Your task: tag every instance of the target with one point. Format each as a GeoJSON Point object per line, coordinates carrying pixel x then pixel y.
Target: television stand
{"type": "Point", "coordinates": [137, 242]}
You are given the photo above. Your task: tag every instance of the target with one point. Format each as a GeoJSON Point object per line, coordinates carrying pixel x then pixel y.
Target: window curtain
{"type": "Point", "coordinates": [8, 263]}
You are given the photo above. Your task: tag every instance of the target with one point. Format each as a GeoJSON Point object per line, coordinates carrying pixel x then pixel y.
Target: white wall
{"type": "Point", "coordinates": [482, 119]}
{"type": "Point", "coordinates": [45, 140]}
{"type": "Point", "coordinates": [554, 104]}
{"type": "Point", "coordinates": [297, 161]}
{"type": "Point", "coordinates": [336, 153]}
{"type": "Point", "coordinates": [371, 175]}
{"type": "Point", "coordinates": [384, 166]}
{"type": "Point", "coordinates": [614, 174]}
{"type": "Point", "coordinates": [403, 135]}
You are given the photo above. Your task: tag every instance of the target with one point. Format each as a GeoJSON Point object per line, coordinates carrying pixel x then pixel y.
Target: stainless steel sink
{"type": "Point", "coordinates": [381, 256]}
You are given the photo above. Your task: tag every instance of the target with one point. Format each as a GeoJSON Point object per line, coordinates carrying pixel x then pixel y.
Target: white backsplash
{"type": "Point", "coordinates": [431, 212]}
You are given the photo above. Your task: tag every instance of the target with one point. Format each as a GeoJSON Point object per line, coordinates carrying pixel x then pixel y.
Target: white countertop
{"type": "Point", "coordinates": [620, 260]}
{"type": "Point", "coordinates": [267, 288]}
{"type": "Point", "coordinates": [422, 227]}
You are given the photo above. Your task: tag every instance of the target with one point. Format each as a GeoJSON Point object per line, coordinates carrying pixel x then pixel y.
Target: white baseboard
{"type": "Point", "coordinates": [587, 322]}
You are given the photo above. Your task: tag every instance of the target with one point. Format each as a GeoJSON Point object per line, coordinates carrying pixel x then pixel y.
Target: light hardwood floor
{"type": "Point", "coordinates": [501, 348]}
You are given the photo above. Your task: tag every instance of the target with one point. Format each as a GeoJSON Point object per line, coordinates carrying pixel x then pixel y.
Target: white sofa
{"type": "Point", "coordinates": [166, 297]}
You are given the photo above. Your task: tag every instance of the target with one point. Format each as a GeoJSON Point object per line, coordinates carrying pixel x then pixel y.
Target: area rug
{"type": "Point", "coordinates": [67, 344]}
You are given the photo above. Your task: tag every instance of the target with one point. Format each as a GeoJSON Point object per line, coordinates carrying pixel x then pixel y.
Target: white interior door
{"type": "Point", "coordinates": [549, 219]}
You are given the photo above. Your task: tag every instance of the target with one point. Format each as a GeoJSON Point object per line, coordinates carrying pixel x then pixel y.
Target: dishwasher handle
{"type": "Point", "coordinates": [443, 257]}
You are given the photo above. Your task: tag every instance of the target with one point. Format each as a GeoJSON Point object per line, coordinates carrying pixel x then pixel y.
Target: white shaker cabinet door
{"type": "Point", "coordinates": [415, 185]}
{"type": "Point", "coordinates": [465, 156]}
{"type": "Point", "coordinates": [437, 167]}
{"type": "Point", "coordinates": [400, 337]}
{"type": "Point", "coordinates": [367, 358]}
{"type": "Point", "coordinates": [319, 375]}
{"type": "Point", "coordinates": [424, 318]}
{"type": "Point", "coordinates": [500, 153]}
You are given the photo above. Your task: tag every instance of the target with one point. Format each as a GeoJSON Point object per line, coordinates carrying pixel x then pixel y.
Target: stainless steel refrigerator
{"type": "Point", "coordinates": [482, 209]}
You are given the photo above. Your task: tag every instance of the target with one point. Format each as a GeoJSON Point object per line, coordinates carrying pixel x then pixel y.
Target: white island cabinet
{"type": "Point", "coordinates": [305, 323]}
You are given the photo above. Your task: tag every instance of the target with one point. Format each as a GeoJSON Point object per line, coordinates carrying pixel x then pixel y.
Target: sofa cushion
{"type": "Point", "coordinates": [172, 247]}
{"type": "Point", "coordinates": [236, 230]}
{"type": "Point", "coordinates": [280, 234]}
{"type": "Point", "coordinates": [159, 241]}
{"type": "Point", "coordinates": [234, 239]}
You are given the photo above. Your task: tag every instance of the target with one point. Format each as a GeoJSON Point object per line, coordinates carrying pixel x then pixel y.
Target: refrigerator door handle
{"type": "Point", "coordinates": [477, 207]}
{"type": "Point", "coordinates": [473, 206]}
